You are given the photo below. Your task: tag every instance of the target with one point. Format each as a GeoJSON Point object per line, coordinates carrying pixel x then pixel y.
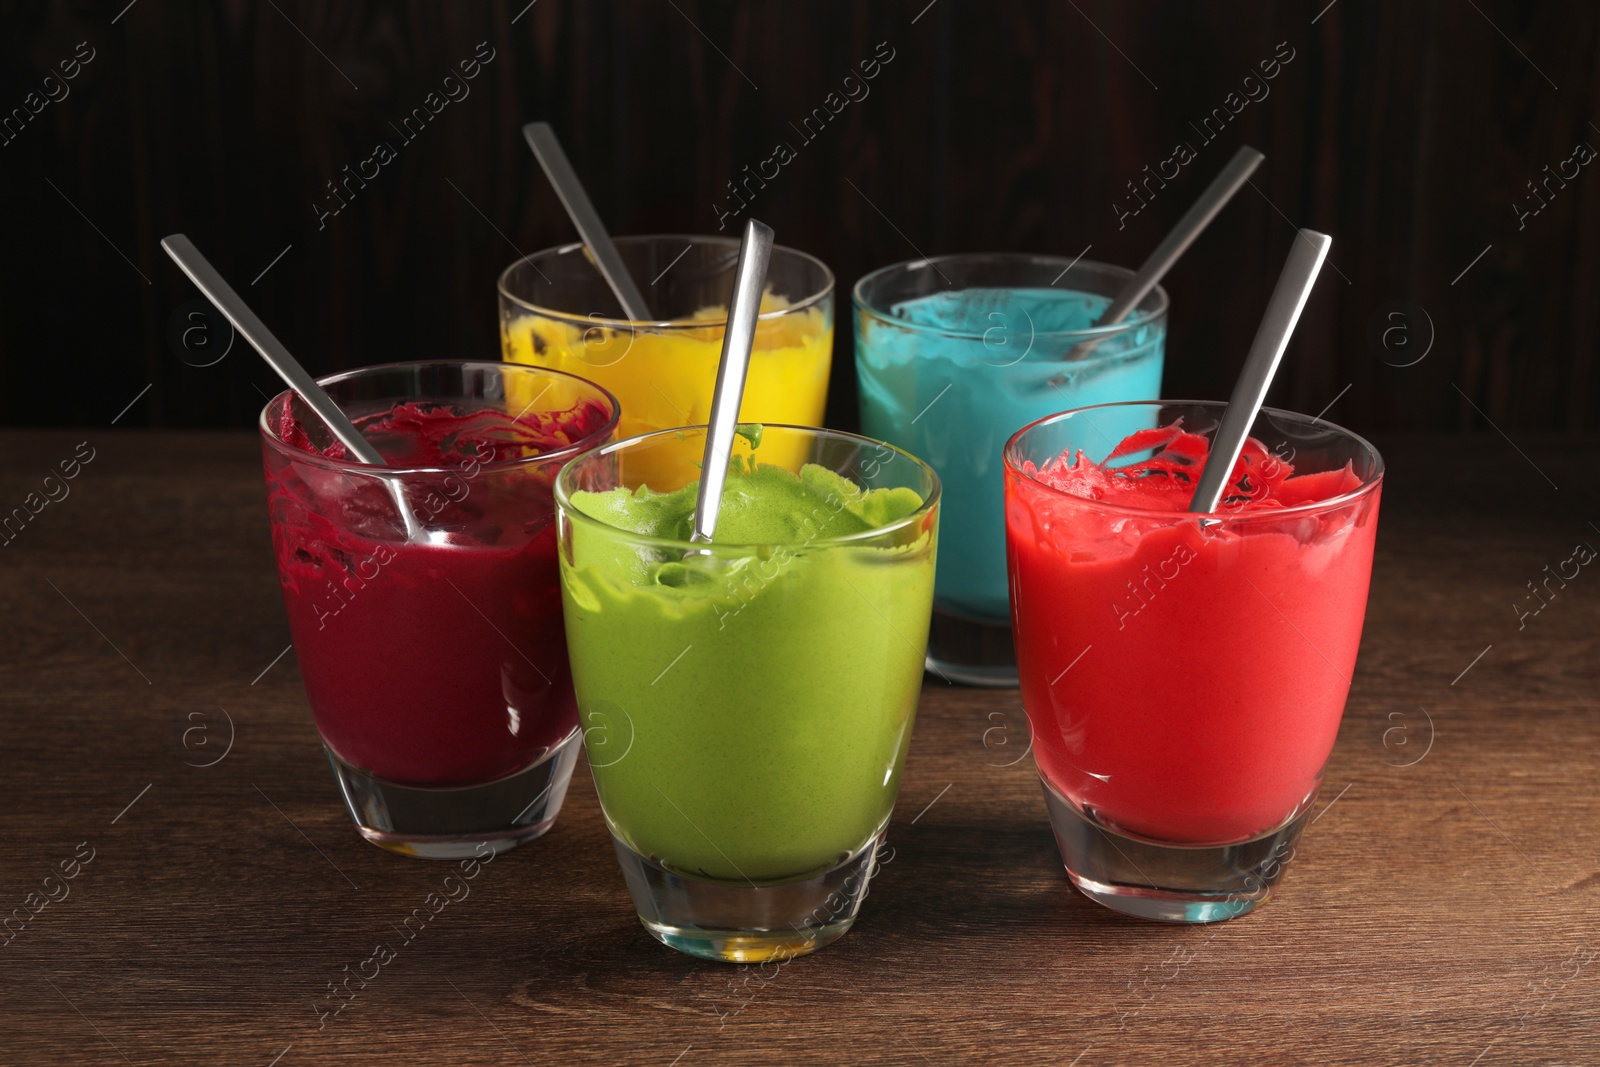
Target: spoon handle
{"type": "Point", "coordinates": [1176, 243]}
{"type": "Point", "coordinates": [547, 149]}
{"type": "Point", "coordinates": [210, 282]}
{"type": "Point", "coordinates": [750, 279]}
{"type": "Point", "coordinates": [1250, 391]}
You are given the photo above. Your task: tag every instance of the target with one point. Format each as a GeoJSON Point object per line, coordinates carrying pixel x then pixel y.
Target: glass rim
{"type": "Point", "coordinates": [1135, 318]}
{"type": "Point", "coordinates": [585, 443]}
{"type": "Point", "coordinates": [829, 283]}
{"type": "Point", "coordinates": [565, 506]}
{"type": "Point", "coordinates": [1367, 486]}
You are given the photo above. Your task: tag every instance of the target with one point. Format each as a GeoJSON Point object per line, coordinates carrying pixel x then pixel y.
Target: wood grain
{"type": "Point", "coordinates": [1406, 131]}
{"type": "Point", "coordinates": [1437, 913]}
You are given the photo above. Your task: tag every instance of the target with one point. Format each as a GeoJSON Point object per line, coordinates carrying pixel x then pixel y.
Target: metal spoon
{"type": "Point", "coordinates": [749, 279]}
{"type": "Point", "coordinates": [547, 149]}
{"type": "Point", "coordinates": [1176, 243]}
{"type": "Point", "coordinates": [210, 282]}
{"type": "Point", "coordinates": [1250, 391]}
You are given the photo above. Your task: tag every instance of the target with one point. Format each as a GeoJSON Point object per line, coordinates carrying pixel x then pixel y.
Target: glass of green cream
{"type": "Point", "coordinates": [746, 703]}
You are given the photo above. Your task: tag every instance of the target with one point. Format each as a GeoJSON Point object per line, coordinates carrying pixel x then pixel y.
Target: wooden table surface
{"type": "Point", "coordinates": [1440, 910]}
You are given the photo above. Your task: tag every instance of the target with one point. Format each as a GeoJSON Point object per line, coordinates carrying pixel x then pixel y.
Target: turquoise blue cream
{"type": "Point", "coordinates": [951, 376]}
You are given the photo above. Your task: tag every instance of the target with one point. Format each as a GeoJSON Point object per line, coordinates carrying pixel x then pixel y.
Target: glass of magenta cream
{"type": "Point", "coordinates": [1184, 674]}
{"type": "Point", "coordinates": [431, 643]}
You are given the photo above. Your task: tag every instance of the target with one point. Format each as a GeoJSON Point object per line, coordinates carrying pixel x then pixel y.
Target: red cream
{"type": "Point", "coordinates": [1184, 683]}
{"type": "Point", "coordinates": [440, 661]}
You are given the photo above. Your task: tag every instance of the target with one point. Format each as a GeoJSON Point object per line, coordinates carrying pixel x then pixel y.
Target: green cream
{"type": "Point", "coordinates": [747, 711]}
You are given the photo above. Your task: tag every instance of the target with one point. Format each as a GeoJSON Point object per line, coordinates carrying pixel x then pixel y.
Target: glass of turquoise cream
{"type": "Point", "coordinates": [955, 354]}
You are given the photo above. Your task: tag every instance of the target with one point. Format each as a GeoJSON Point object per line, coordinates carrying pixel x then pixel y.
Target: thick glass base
{"type": "Point", "coordinates": [971, 652]}
{"type": "Point", "coordinates": [456, 822]}
{"type": "Point", "coordinates": [740, 922]}
{"type": "Point", "coordinates": [1170, 882]}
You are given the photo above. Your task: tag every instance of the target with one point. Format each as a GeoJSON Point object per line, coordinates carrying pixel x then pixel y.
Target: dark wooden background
{"type": "Point", "coordinates": [1405, 130]}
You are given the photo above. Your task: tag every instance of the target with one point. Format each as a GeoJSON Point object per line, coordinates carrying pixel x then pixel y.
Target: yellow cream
{"type": "Point", "coordinates": [664, 376]}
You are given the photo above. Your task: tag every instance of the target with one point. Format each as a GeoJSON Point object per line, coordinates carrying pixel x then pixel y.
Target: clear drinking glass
{"type": "Point", "coordinates": [747, 707]}
{"type": "Point", "coordinates": [953, 355]}
{"type": "Point", "coordinates": [1184, 675]}
{"type": "Point", "coordinates": [557, 311]}
{"type": "Point", "coordinates": [433, 651]}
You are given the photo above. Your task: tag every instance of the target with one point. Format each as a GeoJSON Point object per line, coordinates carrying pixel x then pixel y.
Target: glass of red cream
{"type": "Point", "coordinates": [432, 648]}
{"type": "Point", "coordinates": [1184, 674]}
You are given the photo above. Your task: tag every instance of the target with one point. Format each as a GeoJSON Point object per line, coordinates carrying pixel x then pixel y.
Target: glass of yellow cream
{"type": "Point", "coordinates": [556, 311]}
